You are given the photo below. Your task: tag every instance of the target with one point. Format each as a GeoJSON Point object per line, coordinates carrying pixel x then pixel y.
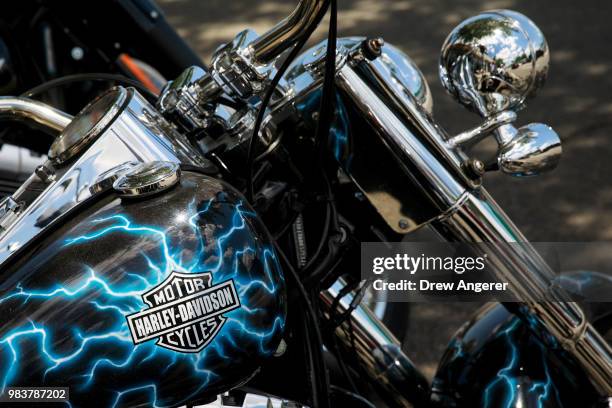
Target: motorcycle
{"type": "Point", "coordinates": [195, 241]}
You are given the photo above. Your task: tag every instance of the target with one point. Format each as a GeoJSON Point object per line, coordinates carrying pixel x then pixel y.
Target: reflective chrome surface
{"type": "Point", "coordinates": [404, 76]}
{"type": "Point", "coordinates": [479, 219]}
{"type": "Point", "coordinates": [243, 67]}
{"type": "Point", "coordinates": [148, 178]}
{"type": "Point", "coordinates": [105, 180]}
{"type": "Point", "coordinates": [401, 73]}
{"type": "Point", "coordinates": [536, 148]}
{"type": "Point", "coordinates": [34, 112]}
{"type": "Point", "coordinates": [45, 173]}
{"type": "Point", "coordinates": [138, 134]}
{"type": "Point", "coordinates": [468, 213]}
{"type": "Point", "coordinates": [472, 136]}
{"type": "Point", "coordinates": [9, 211]}
{"type": "Point", "coordinates": [494, 61]}
{"type": "Point", "coordinates": [236, 72]}
{"type": "Point", "coordinates": [87, 125]}
{"type": "Point", "coordinates": [287, 32]}
{"type": "Point", "coordinates": [378, 351]}
{"type": "Point", "coordinates": [431, 173]}
{"type": "Point", "coordinates": [250, 400]}
{"type": "Point", "coordinates": [183, 99]}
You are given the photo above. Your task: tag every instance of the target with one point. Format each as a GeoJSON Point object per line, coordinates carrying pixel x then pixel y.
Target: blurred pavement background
{"type": "Point", "coordinates": [570, 204]}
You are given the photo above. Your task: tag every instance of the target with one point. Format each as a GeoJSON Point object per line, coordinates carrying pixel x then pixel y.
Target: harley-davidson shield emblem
{"type": "Point", "coordinates": [185, 312]}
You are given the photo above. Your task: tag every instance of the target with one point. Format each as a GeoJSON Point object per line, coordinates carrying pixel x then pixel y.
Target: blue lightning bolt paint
{"type": "Point", "coordinates": [74, 331]}
{"type": "Point", "coordinates": [497, 361]}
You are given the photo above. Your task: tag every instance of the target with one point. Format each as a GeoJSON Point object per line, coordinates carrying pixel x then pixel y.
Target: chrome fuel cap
{"type": "Point", "coordinates": [148, 178]}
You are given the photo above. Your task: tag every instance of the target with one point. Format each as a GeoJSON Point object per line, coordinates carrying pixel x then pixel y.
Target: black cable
{"type": "Point", "coordinates": [327, 106]}
{"type": "Point", "coordinates": [326, 113]}
{"type": "Point", "coordinates": [331, 224]}
{"type": "Point", "coordinates": [353, 395]}
{"type": "Point", "coordinates": [343, 367]}
{"type": "Point", "coordinates": [327, 95]}
{"type": "Point", "coordinates": [285, 228]}
{"type": "Point", "coordinates": [313, 315]}
{"type": "Point", "coordinates": [94, 76]}
{"type": "Point", "coordinates": [312, 372]}
{"type": "Point", "coordinates": [268, 96]}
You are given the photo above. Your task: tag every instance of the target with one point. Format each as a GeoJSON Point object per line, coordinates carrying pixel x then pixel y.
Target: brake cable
{"type": "Point", "coordinates": [268, 96]}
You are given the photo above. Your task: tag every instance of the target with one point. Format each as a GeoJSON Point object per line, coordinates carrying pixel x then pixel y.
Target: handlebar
{"type": "Point", "coordinates": [287, 32]}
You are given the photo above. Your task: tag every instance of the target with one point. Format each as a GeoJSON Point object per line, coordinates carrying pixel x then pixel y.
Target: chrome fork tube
{"type": "Point", "coordinates": [478, 218]}
{"type": "Point", "coordinates": [379, 353]}
{"type": "Point", "coordinates": [33, 112]}
{"type": "Point", "coordinates": [468, 214]}
{"type": "Point", "coordinates": [287, 32]}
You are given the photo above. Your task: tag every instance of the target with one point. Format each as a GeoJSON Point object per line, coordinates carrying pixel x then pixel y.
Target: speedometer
{"type": "Point", "coordinates": [87, 125]}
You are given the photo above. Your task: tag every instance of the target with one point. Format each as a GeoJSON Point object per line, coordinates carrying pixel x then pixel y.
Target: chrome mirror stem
{"type": "Point", "coordinates": [475, 135]}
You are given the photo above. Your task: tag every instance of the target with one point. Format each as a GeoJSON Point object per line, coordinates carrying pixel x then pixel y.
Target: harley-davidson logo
{"type": "Point", "coordinates": [185, 312]}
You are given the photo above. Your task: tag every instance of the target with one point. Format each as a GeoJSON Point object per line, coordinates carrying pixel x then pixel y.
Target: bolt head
{"type": "Point", "coordinates": [77, 53]}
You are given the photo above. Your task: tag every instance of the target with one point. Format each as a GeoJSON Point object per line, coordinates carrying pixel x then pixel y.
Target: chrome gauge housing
{"type": "Point", "coordinates": [87, 125]}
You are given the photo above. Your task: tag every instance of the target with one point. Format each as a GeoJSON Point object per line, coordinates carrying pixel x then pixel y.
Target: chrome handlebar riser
{"type": "Point", "coordinates": [241, 68]}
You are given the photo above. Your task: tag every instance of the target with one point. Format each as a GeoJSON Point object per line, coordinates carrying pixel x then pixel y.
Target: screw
{"type": "Point", "coordinates": [77, 53]}
{"type": "Point", "coordinates": [377, 43]}
{"type": "Point", "coordinates": [475, 168]}
{"type": "Point", "coordinates": [403, 223]}
{"type": "Point", "coordinates": [45, 174]}
{"type": "Point", "coordinates": [372, 48]}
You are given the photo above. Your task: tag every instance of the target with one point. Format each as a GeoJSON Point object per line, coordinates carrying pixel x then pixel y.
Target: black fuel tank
{"type": "Point", "coordinates": [152, 302]}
